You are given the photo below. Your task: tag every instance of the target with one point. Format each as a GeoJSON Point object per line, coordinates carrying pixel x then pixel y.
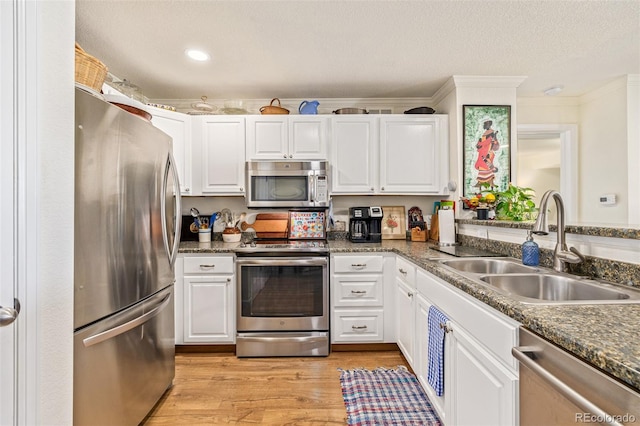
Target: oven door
{"type": "Point", "coordinates": [283, 293]}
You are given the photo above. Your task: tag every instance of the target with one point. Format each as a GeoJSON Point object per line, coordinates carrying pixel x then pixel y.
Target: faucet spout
{"type": "Point", "coordinates": [562, 254]}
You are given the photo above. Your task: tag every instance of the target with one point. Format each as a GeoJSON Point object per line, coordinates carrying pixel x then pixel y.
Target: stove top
{"type": "Point", "coordinates": [284, 246]}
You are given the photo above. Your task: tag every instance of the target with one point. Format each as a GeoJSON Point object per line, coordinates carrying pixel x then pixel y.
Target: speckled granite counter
{"type": "Point", "coordinates": [604, 335]}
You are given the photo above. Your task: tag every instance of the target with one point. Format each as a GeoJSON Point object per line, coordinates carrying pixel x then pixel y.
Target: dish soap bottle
{"type": "Point", "coordinates": [530, 251]}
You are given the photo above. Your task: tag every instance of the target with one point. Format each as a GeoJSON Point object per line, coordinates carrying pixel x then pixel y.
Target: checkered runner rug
{"type": "Point", "coordinates": [385, 397]}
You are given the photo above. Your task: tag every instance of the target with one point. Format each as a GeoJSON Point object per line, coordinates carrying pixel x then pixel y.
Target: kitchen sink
{"type": "Point", "coordinates": [488, 266]}
{"type": "Point", "coordinates": [550, 288]}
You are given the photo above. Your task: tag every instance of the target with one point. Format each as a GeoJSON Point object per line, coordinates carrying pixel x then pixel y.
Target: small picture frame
{"type": "Point", "coordinates": [486, 148]}
{"type": "Point", "coordinates": [393, 223]}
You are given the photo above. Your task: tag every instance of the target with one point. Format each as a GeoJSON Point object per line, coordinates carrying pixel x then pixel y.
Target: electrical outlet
{"type": "Point", "coordinates": [482, 233]}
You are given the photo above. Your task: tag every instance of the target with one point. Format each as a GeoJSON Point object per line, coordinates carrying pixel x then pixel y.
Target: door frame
{"type": "Point", "coordinates": [568, 134]}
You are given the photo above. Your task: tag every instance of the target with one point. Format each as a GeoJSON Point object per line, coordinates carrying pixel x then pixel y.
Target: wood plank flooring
{"type": "Point", "coordinates": [213, 388]}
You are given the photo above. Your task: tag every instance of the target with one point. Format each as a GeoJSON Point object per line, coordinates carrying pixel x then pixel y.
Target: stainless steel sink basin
{"type": "Point", "coordinates": [549, 288]}
{"type": "Point", "coordinates": [488, 266]}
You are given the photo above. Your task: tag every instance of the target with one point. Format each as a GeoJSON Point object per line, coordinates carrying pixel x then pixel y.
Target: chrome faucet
{"type": "Point", "coordinates": [561, 255]}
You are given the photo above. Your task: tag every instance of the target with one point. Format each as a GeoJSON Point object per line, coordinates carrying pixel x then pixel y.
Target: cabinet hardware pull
{"type": "Point", "coordinates": [207, 266]}
{"type": "Point", "coordinates": [187, 190]}
{"type": "Point", "coordinates": [358, 292]}
{"type": "Point", "coordinates": [359, 265]}
{"type": "Point", "coordinates": [284, 156]}
{"type": "Point", "coordinates": [241, 189]}
{"type": "Point", "coordinates": [402, 271]}
{"type": "Point", "coordinates": [446, 328]}
{"type": "Point", "coordinates": [228, 280]}
{"type": "Point", "coordinates": [358, 327]}
{"type": "Point", "coordinates": [372, 188]}
{"type": "Point", "coordinates": [382, 189]}
{"type": "Point", "coordinates": [409, 294]}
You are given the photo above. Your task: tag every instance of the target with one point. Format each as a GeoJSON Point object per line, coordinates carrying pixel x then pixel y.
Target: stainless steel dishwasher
{"type": "Point", "coordinates": [556, 388]}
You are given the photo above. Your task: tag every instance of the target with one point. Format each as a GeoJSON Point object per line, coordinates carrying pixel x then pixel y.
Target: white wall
{"type": "Point", "coordinates": [603, 154]}
{"type": "Point", "coordinates": [52, 251]}
{"type": "Point", "coordinates": [633, 159]}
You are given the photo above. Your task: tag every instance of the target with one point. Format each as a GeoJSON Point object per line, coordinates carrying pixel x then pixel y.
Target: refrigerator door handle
{"type": "Point", "coordinates": [123, 328]}
{"type": "Point", "coordinates": [172, 252]}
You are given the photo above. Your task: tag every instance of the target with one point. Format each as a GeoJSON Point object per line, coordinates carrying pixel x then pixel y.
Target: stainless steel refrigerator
{"type": "Point", "coordinates": [127, 231]}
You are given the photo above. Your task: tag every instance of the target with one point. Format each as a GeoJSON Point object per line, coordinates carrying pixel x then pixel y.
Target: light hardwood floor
{"type": "Point", "coordinates": [211, 389]}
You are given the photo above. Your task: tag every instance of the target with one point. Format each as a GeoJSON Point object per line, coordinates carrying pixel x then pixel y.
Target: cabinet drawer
{"type": "Point", "coordinates": [344, 264]}
{"type": "Point", "coordinates": [357, 290]}
{"type": "Point", "coordinates": [208, 265]}
{"type": "Point", "coordinates": [358, 326]}
{"type": "Point", "coordinates": [497, 332]}
{"type": "Point", "coordinates": [406, 271]}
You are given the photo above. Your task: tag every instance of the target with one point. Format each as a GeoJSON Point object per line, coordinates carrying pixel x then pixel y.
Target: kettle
{"type": "Point", "coordinates": [308, 107]}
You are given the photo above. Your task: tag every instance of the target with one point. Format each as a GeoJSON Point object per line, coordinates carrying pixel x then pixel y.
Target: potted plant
{"type": "Point", "coordinates": [515, 203]}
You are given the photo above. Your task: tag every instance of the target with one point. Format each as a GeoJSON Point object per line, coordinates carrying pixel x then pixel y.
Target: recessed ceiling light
{"type": "Point", "coordinates": [197, 55]}
{"type": "Point", "coordinates": [551, 91]}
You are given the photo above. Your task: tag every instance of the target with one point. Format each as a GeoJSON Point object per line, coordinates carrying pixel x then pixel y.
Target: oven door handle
{"type": "Point", "coordinates": [520, 353]}
{"type": "Point", "coordinates": [287, 261]}
{"type": "Point", "coordinates": [289, 338]}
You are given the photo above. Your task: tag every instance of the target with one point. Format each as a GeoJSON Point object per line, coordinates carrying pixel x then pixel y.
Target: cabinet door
{"type": "Point", "coordinates": [222, 155]}
{"type": "Point", "coordinates": [421, 353]}
{"type": "Point", "coordinates": [178, 126]}
{"type": "Point", "coordinates": [412, 154]}
{"type": "Point", "coordinates": [354, 155]}
{"type": "Point", "coordinates": [479, 390]}
{"type": "Point", "coordinates": [405, 325]}
{"type": "Point", "coordinates": [308, 137]}
{"type": "Point", "coordinates": [209, 309]}
{"type": "Point", "coordinates": [267, 138]}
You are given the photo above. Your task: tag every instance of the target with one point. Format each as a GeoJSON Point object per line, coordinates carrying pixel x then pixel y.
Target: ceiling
{"type": "Point", "coordinates": [358, 49]}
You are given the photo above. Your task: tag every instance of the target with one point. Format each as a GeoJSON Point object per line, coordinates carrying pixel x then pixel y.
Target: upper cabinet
{"type": "Point", "coordinates": [278, 137]}
{"type": "Point", "coordinates": [178, 126]}
{"type": "Point", "coordinates": [354, 154]}
{"type": "Point", "coordinates": [221, 153]}
{"type": "Point", "coordinates": [390, 154]}
{"type": "Point", "coordinates": [412, 154]}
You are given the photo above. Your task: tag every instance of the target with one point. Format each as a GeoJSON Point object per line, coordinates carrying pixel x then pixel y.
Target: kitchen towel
{"type": "Point", "coordinates": [446, 226]}
{"type": "Point", "coordinates": [435, 372]}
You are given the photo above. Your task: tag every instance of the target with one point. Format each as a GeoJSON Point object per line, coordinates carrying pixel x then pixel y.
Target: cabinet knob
{"type": "Point", "coordinates": [187, 190]}
{"type": "Point", "coordinates": [241, 189]}
{"type": "Point", "coordinates": [284, 156]}
{"type": "Point", "coordinates": [358, 327]}
{"type": "Point", "coordinates": [382, 189]}
{"type": "Point", "coordinates": [372, 189]}
{"type": "Point", "coordinates": [445, 327]}
{"type": "Point", "coordinates": [409, 294]}
{"type": "Point", "coordinates": [290, 155]}
{"type": "Point", "coordinates": [228, 280]}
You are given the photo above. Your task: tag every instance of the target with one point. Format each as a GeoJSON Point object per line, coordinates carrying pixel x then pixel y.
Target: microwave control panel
{"type": "Point", "coordinates": [322, 189]}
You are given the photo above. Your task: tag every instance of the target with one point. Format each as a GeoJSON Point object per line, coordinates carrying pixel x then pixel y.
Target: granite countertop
{"type": "Point", "coordinates": [603, 335]}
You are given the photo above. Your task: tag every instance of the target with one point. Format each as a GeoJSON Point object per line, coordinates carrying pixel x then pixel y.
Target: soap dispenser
{"type": "Point", "coordinates": [530, 251]}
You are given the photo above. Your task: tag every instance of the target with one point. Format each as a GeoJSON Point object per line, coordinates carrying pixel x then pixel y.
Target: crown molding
{"type": "Point", "coordinates": [488, 81]}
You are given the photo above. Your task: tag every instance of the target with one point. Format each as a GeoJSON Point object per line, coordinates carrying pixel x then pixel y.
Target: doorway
{"type": "Point", "coordinates": [546, 157]}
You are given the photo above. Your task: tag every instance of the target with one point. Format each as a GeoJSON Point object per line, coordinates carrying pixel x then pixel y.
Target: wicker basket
{"type": "Point", "coordinates": [89, 70]}
{"type": "Point", "coordinates": [271, 109]}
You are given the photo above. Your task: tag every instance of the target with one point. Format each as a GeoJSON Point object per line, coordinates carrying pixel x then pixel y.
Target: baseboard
{"type": "Point", "coordinates": [185, 349]}
{"type": "Point", "coordinates": [363, 347]}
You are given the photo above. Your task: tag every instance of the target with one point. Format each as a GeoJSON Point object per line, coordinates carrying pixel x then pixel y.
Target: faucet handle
{"type": "Point", "coordinates": [577, 253]}
{"type": "Point", "coordinates": [570, 256]}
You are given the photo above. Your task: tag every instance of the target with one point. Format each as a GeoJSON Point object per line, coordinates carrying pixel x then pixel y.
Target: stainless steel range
{"type": "Point", "coordinates": [283, 297]}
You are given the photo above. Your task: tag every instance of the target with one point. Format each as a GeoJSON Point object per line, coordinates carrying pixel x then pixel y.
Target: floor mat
{"type": "Point", "coordinates": [385, 397]}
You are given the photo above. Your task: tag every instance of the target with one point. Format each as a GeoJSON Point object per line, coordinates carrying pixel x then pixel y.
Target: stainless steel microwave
{"type": "Point", "coordinates": [280, 183]}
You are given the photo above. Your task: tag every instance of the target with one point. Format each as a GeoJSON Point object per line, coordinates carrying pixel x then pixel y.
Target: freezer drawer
{"type": "Point", "coordinates": [124, 363]}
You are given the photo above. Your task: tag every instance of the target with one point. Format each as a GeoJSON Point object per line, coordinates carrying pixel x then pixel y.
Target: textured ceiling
{"type": "Point", "coordinates": [358, 49]}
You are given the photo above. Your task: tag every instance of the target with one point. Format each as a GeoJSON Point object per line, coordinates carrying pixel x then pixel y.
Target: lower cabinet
{"type": "Point", "coordinates": [206, 295]}
{"type": "Point", "coordinates": [480, 376]}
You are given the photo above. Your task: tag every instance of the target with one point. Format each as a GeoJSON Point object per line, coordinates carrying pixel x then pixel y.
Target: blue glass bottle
{"type": "Point", "coordinates": [530, 251]}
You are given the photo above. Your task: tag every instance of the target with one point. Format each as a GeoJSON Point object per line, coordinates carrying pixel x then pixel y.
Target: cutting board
{"type": "Point", "coordinates": [269, 225]}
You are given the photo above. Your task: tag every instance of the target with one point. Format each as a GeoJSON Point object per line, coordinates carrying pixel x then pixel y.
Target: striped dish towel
{"type": "Point", "coordinates": [435, 374]}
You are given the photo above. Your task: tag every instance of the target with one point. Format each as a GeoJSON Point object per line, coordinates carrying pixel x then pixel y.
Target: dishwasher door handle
{"type": "Point", "coordinates": [520, 353]}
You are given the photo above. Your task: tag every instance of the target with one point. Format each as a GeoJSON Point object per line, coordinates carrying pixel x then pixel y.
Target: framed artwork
{"type": "Point", "coordinates": [486, 148]}
{"type": "Point", "coordinates": [393, 223]}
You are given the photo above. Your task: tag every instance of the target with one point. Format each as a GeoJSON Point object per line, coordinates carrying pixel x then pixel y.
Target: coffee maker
{"type": "Point", "coordinates": [365, 224]}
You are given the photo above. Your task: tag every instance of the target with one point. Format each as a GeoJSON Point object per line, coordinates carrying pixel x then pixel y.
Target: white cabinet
{"type": "Point", "coordinates": [480, 378]}
{"type": "Point", "coordinates": [390, 154]}
{"type": "Point", "coordinates": [206, 293]}
{"type": "Point", "coordinates": [354, 154]}
{"type": "Point", "coordinates": [220, 155]}
{"type": "Point", "coordinates": [413, 154]}
{"type": "Point", "coordinates": [405, 286]}
{"type": "Point", "coordinates": [480, 389]}
{"type": "Point", "coordinates": [287, 137]}
{"type": "Point", "coordinates": [178, 126]}
{"type": "Point", "coordinates": [358, 299]}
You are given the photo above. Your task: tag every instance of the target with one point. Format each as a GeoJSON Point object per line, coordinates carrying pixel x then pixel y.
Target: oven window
{"type": "Point", "coordinates": [282, 291]}
{"type": "Point", "coordinates": [279, 188]}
